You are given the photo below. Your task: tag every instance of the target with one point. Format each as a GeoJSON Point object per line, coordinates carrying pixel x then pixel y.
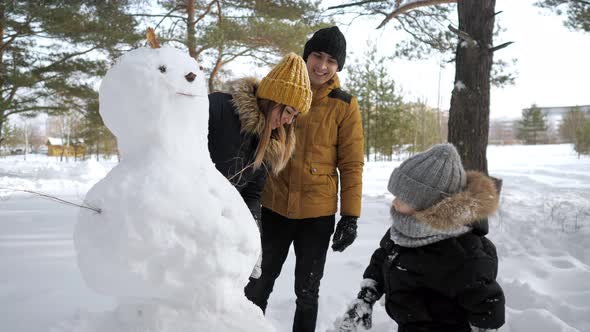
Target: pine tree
{"type": "Point", "coordinates": [572, 120]}
{"type": "Point", "coordinates": [582, 145]}
{"type": "Point", "coordinates": [14, 137]}
{"type": "Point", "coordinates": [532, 129]}
{"type": "Point", "coordinates": [51, 52]}
{"type": "Point", "coordinates": [577, 12]}
{"type": "Point", "coordinates": [386, 124]}
{"type": "Point", "coordinates": [219, 32]}
{"type": "Point", "coordinates": [9, 137]}
{"type": "Point", "coordinates": [97, 137]}
{"type": "Point", "coordinates": [426, 126]}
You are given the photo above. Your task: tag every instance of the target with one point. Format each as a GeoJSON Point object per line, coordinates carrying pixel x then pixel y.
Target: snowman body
{"type": "Point", "coordinates": [174, 241]}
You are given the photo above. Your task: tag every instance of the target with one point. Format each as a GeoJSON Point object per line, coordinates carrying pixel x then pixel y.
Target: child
{"type": "Point", "coordinates": [436, 274]}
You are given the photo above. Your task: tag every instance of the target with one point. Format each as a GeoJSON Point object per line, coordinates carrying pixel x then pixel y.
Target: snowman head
{"type": "Point", "coordinates": [155, 98]}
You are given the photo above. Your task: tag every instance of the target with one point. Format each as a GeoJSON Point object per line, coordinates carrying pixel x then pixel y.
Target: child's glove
{"type": "Point", "coordinates": [361, 310]}
{"type": "Point", "coordinates": [257, 270]}
{"type": "Point", "coordinates": [345, 233]}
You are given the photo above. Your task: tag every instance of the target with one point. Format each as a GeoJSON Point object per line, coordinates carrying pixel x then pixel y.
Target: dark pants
{"type": "Point", "coordinates": [310, 238]}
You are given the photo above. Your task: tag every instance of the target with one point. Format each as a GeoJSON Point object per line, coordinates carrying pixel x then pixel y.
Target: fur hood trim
{"type": "Point", "coordinates": [253, 121]}
{"type": "Point", "coordinates": [477, 201]}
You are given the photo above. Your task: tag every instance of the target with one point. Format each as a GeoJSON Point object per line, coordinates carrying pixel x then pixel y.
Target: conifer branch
{"type": "Point", "coordinates": [463, 35]}
{"type": "Point", "coordinates": [207, 10]}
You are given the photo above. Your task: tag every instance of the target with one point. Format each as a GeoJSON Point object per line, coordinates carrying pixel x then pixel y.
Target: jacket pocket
{"type": "Point", "coordinates": [322, 169]}
{"type": "Point", "coordinates": [321, 179]}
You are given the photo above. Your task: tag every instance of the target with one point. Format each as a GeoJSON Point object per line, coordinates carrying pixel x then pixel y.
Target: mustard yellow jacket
{"type": "Point", "coordinates": [328, 137]}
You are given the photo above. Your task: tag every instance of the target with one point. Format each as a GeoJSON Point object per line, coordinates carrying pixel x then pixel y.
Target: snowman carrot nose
{"type": "Point", "coordinates": [151, 38]}
{"type": "Point", "coordinates": [190, 76]}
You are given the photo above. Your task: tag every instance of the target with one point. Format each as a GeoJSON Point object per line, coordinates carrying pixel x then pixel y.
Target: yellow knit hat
{"type": "Point", "coordinates": [288, 84]}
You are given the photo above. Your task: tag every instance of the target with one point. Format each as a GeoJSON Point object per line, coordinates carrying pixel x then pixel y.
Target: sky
{"type": "Point", "coordinates": [552, 62]}
{"type": "Point", "coordinates": [551, 70]}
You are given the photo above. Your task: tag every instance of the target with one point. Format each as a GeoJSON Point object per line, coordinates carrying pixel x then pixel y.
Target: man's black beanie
{"type": "Point", "coordinates": [329, 40]}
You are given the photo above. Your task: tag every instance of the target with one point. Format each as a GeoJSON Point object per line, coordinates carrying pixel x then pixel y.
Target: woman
{"type": "Point", "coordinates": [251, 128]}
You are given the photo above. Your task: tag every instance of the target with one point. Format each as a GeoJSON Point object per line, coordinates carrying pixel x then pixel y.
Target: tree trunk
{"type": "Point", "coordinates": [2, 111]}
{"type": "Point", "coordinates": [26, 132]}
{"type": "Point", "coordinates": [215, 71]}
{"type": "Point", "coordinates": [470, 101]}
{"type": "Point", "coordinates": [1, 126]}
{"type": "Point", "coordinates": [368, 132]}
{"type": "Point", "coordinates": [191, 41]}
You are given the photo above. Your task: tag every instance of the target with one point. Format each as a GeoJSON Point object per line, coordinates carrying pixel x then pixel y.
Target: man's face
{"type": "Point", "coordinates": [321, 68]}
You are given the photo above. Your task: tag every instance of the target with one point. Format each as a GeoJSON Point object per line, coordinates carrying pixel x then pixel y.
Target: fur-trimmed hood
{"type": "Point", "coordinates": [252, 121]}
{"type": "Point", "coordinates": [477, 201]}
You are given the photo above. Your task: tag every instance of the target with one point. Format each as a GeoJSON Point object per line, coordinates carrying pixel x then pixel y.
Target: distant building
{"type": "Point", "coordinates": [55, 147]}
{"type": "Point", "coordinates": [555, 116]}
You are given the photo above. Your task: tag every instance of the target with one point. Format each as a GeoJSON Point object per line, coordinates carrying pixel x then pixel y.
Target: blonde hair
{"type": "Point", "coordinates": [279, 134]}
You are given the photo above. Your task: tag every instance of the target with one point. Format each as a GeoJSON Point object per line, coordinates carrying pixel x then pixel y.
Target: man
{"type": "Point", "coordinates": [299, 205]}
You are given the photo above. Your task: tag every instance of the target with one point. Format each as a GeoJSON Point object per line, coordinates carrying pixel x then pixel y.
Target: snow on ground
{"type": "Point", "coordinates": [47, 174]}
{"type": "Point", "coordinates": [541, 233]}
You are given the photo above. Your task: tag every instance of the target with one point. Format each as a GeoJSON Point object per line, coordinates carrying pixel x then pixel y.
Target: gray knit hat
{"type": "Point", "coordinates": [426, 178]}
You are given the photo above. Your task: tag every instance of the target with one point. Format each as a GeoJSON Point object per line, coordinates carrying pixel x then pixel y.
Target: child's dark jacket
{"type": "Point", "coordinates": [447, 285]}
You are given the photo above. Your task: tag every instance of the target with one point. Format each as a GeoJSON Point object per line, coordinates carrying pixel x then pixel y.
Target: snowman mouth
{"type": "Point", "coordinates": [185, 94]}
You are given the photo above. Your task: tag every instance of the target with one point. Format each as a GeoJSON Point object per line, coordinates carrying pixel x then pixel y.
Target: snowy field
{"type": "Point", "coordinates": [541, 232]}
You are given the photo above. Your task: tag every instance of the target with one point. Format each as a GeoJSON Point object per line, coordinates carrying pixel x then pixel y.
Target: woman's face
{"type": "Point", "coordinates": [278, 118]}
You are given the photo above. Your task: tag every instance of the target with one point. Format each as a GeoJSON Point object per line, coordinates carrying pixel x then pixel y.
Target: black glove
{"type": "Point", "coordinates": [361, 310]}
{"type": "Point", "coordinates": [345, 233]}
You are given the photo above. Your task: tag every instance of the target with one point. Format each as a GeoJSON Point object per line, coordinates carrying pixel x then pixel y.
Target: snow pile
{"type": "Point", "coordinates": [174, 242]}
{"type": "Point", "coordinates": [543, 250]}
{"type": "Point", "coordinates": [541, 233]}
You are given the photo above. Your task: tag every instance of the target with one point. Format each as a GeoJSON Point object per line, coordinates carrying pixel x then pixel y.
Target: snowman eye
{"type": "Point", "coordinates": [201, 68]}
{"type": "Point", "coordinates": [162, 69]}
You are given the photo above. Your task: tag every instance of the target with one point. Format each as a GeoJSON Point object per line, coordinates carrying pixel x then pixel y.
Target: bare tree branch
{"type": "Point", "coordinates": [433, 39]}
{"type": "Point", "coordinates": [237, 55]}
{"type": "Point", "coordinates": [9, 41]}
{"type": "Point", "coordinates": [219, 16]}
{"type": "Point", "coordinates": [64, 59]}
{"type": "Point", "coordinates": [18, 33]}
{"type": "Point", "coordinates": [464, 35]}
{"type": "Point", "coordinates": [168, 14]}
{"type": "Point", "coordinates": [354, 4]}
{"type": "Point", "coordinates": [33, 108]}
{"type": "Point", "coordinates": [53, 198]}
{"type": "Point", "coordinates": [159, 15]}
{"type": "Point", "coordinates": [207, 10]}
{"type": "Point", "coordinates": [409, 6]}
{"type": "Point", "coordinates": [499, 47]}
{"type": "Point", "coordinates": [413, 34]}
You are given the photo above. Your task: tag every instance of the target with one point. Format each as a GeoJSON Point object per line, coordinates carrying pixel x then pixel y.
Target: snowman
{"type": "Point", "coordinates": [174, 242]}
